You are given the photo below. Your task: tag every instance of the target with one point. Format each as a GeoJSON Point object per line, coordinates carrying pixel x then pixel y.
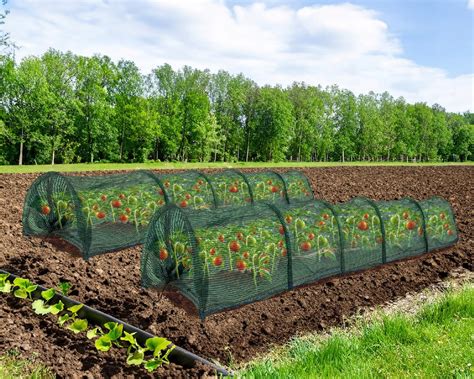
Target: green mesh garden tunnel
{"type": "Point", "coordinates": [104, 213]}
{"type": "Point", "coordinates": [224, 258]}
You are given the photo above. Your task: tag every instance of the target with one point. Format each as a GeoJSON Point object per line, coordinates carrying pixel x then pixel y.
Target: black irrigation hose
{"type": "Point", "coordinates": [178, 355]}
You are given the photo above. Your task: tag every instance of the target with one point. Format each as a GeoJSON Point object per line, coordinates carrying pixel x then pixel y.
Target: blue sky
{"type": "Point", "coordinates": [421, 50]}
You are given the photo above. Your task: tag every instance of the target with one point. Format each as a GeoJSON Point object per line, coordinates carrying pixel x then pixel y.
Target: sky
{"type": "Point", "coordinates": [419, 49]}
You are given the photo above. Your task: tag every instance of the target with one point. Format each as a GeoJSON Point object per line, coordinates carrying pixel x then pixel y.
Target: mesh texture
{"type": "Point", "coordinates": [99, 214]}
{"type": "Point", "coordinates": [224, 258]}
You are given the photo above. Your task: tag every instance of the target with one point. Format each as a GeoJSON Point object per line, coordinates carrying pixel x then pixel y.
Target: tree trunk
{"type": "Point", "coordinates": [343, 158]}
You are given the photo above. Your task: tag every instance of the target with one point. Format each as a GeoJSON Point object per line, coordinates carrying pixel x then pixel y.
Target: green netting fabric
{"type": "Point", "coordinates": [224, 258]}
{"type": "Point", "coordinates": [298, 187]}
{"type": "Point", "coordinates": [110, 212]}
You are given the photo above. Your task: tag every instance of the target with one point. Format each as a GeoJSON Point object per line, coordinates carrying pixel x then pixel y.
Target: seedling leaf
{"type": "Point", "coordinates": [62, 319]}
{"type": "Point", "coordinates": [136, 358]}
{"type": "Point", "coordinates": [48, 294]}
{"type": "Point", "coordinates": [79, 325]}
{"type": "Point", "coordinates": [5, 286]}
{"type": "Point", "coordinates": [103, 343]}
{"type": "Point", "coordinates": [93, 333]}
{"type": "Point", "coordinates": [129, 337]}
{"type": "Point", "coordinates": [21, 293]}
{"type": "Point", "coordinates": [56, 308]}
{"type": "Point", "coordinates": [3, 277]}
{"type": "Point", "coordinates": [152, 364]}
{"type": "Point", "coordinates": [40, 308]}
{"type": "Point", "coordinates": [156, 345]}
{"type": "Point", "coordinates": [110, 325]}
{"type": "Point", "coordinates": [75, 308]}
{"type": "Point", "coordinates": [64, 287]}
{"type": "Point", "coordinates": [116, 332]}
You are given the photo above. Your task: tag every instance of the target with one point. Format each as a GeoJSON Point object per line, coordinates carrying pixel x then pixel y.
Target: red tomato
{"type": "Point", "coordinates": [442, 216]}
{"type": "Point", "coordinates": [269, 182]}
{"type": "Point", "coordinates": [163, 254]}
{"type": "Point", "coordinates": [405, 215]}
{"type": "Point", "coordinates": [283, 252]}
{"type": "Point", "coordinates": [450, 232]}
{"type": "Point", "coordinates": [410, 225]}
{"type": "Point", "coordinates": [325, 216]}
{"type": "Point", "coordinates": [183, 204]}
{"type": "Point", "coordinates": [274, 189]}
{"type": "Point", "coordinates": [446, 226]}
{"type": "Point", "coordinates": [311, 236]}
{"type": "Point", "coordinates": [241, 265]}
{"type": "Point", "coordinates": [116, 203]}
{"type": "Point", "coordinates": [280, 243]}
{"type": "Point", "coordinates": [288, 219]}
{"type": "Point", "coordinates": [282, 230]}
{"type": "Point", "coordinates": [123, 218]}
{"type": "Point", "coordinates": [234, 246]}
{"type": "Point", "coordinates": [128, 210]}
{"type": "Point", "coordinates": [233, 189]}
{"type": "Point", "coordinates": [217, 261]}
{"type": "Point", "coordinates": [212, 251]}
{"type": "Point", "coordinates": [161, 192]}
{"type": "Point", "coordinates": [306, 246]}
{"type": "Point", "coordinates": [103, 197]}
{"type": "Point", "coordinates": [240, 236]}
{"type": "Point", "coordinates": [45, 209]}
{"type": "Point", "coordinates": [122, 196]}
{"type": "Point", "coordinates": [221, 238]}
{"type": "Point", "coordinates": [246, 254]}
{"type": "Point", "coordinates": [362, 225]}
{"type": "Point", "coordinates": [100, 215]}
{"type": "Point", "coordinates": [366, 216]}
{"type": "Point", "coordinates": [187, 196]}
{"type": "Point", "coordinates": [321, 224]}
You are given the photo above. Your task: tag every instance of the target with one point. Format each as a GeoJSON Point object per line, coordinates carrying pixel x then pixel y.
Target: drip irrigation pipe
{"type": "Point", "coordinates": [178, 355]}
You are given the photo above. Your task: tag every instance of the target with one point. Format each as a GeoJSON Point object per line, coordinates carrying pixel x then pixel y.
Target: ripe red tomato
{"type": "Point", "coordinates": [306, 246]}
{"type": "Point", "coordinates": [161, 192]}
{"type": "Point", "coordinates": [311, 236]}
{"type": "Point", "coordinates": [217, 261]}
{"type": "Point", "coordinates": [103, 197]}
{"type": "Point", "coordinates": [366, 216]}
{"type": "Point", "coordinates": [122, 196]}
{"type": "Point", "coordinates": [240, 236]}
{"type": "Point", "coordinates": [288, 219]}
{"type": "Point", "coordinates": [362, 225]}
{"type": "Point", "coordinates": [274, 189]}
{"type": "Point", "coordinates": [45, 209]}
{"type": "Point", "coordinates": [325, 216]}
{"type": "Point", "coordinates": [446, 226]}
{"type": "Point", "coordinates": [246, 254]}
{"type": "Point", "coordinates": [405, 215]}
{"type": "Point", "coordinates": [241, 265]}
{"type": "Point", "coordinates": [200, 182]}
{"type": "Point", "coordinates": [234, 246]}
{"type": "Point", "coordinates": [100, 215]}
{"type": "Point", "coordinates": [163, 254]}
{"type": "Point", "coordinates": [116, 203]}
{"type": "Point", "coordinates": [212, 251]}
{"type": "Point", "coordinates": [187, 196]}
{"type": "Point", "coordinates": [450, 232]}
{"type": "Point", "coordinates": [283, 252]}
{"type": "Point", "coordinates": [233, 189]}
{"type": "Point", "coordinates": [128, 210]}
{"type": "Point", "coordinates": [282, 230]}
{"type": "Point", "coordinates": [281, 243]}
{"type": "Point", "coordinates": [221, 238]}
{"type": "Point", "coordinates": [123, 218]}
{"type": "Point", "coordinates": [183, 204]}
{"type": "Point", "coordinates": [321, 223]}
{"type": "Point", "coordinates": [410, 225]}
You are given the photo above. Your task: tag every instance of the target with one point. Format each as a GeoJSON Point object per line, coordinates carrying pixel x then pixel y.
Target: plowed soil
{"type": "Point", "coordinates": [111, 282]}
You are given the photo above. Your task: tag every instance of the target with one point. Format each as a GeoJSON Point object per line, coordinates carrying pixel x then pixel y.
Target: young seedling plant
{"type": "Point", "coordinates": [151, 356]}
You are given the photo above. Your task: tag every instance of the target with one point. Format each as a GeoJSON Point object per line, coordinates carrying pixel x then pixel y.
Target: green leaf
{"type": "Point", "coordinates": [3, 277]}
{"type": "Point", "coordinates": [79, 325]}
{"type": "Point", "coordinates": [116, 332]}
{"type": "Point", "coordinates": [136, 358]}
{"type": "Point", "coordinates": [40, 308]}
{"type": "Point", "coordinates": [62, 319]}
{"type": "Point", "coordinates": [5, 286]}
{"type": "Point", "coordinates": [110, 325]}
{"type": "Point", "coordinates": [103, 343]}
{"type": "Point", "coordinates": [21, 293]}
{"type": "Point", "coordinates": [153, 364]}
{"type": "Point", "coordinates": [129, 337]}
{"type": "Point", "coordinates": [48, 294]}
{"type": "Point", "coordinates": [75, 308]}
{"type": "Point", "coordinates": [31, 288]}
{"type": "Point", "coordinates": [156, 345]}
{"type": "Point", "coordinates": [25, 284]}
{"type": "Point", "coordinates": [56, 308]}
{"type": "Point", "coordinates": [64, 287]}
{"type": "Point", "coordinates": [93, 333]}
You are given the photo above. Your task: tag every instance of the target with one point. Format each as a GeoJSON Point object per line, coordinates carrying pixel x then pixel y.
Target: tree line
{"type": "Point", "coordinates": [65, 108]}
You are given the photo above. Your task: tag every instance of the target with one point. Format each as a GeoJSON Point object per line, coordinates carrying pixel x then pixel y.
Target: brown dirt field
{"type": "Point", "coordinates": [111, 282]}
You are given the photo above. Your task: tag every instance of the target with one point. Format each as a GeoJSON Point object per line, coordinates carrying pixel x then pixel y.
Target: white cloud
{"type": "Point", "coordinates": [340, 44]}
{"type": "Point", "coordinates": [470, 4]}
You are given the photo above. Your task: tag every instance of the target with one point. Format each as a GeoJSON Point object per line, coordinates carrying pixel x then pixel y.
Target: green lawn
{"type": "Point", "coordinates": [13, 367]}
{"type": "Point", "coordinates": [436, 343]}
{"type": "Point", "coordinates": [179, 165]}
